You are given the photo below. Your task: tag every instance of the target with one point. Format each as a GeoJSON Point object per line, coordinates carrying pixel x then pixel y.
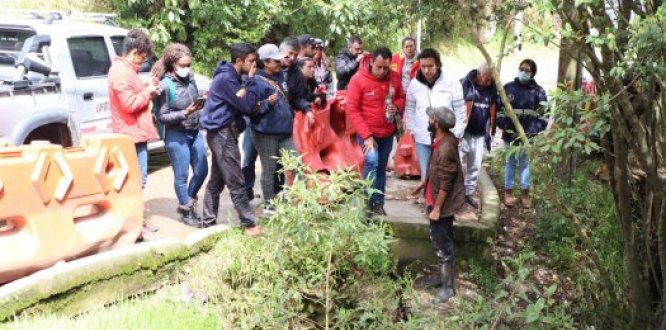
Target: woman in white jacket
{"type": "Point", "coordinates": [432, 88]}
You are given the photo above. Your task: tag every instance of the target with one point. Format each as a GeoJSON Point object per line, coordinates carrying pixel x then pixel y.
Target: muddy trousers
{"type": "Point", "coordinates": [226, 171]}
{"type": "Point", "coordinates": [441, 236]}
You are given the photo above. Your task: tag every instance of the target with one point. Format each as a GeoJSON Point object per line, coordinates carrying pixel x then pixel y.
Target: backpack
{"type": "Point", "coordinates": [171, 89]}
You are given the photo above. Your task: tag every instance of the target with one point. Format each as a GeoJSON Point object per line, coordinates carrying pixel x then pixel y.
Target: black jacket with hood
{"type": "Point", "coordinates": [345, 68]}
{"type": "Point", "coordinates": [296, 88]}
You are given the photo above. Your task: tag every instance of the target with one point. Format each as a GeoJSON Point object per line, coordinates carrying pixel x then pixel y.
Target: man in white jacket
{"type": "Point", "coordinates": [432, 88]}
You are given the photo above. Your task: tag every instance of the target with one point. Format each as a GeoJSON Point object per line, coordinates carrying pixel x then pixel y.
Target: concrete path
{"type": "Point", "coordinates": [404, 214]}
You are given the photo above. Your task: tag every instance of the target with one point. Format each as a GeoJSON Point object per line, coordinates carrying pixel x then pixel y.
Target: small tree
{"type": "Point", "coordinates": [622, 45]}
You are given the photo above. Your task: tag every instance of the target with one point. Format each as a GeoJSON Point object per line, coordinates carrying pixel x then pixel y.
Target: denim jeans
{"type": "Point", "coordinates": [423, 152]}
{"type": "Point", "coordinates": [375, 166]}
{"type": "Point", "coordinates": [185, 149]}
{"type": "Point", "coordinates": [249, 159]}
{"type": "Point", "coordinates": [225, 171]}
{"type": "Point", "coordinates": [510, 170]}
{"type": "Point", "coordinates": [142, 156]}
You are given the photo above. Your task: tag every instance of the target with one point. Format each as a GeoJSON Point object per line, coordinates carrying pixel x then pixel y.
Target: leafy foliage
{"type": "Point", "coordinates": [210, 27]}
{"type": "Point", "coordinates": [322, 262]}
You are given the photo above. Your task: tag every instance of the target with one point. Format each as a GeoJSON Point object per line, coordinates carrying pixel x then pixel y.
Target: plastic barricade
{"type": "Point", "coordinates": [330, 144]}
{"type": "Point", "coordinates": [405, 161]}
{"type": "Point", "coordinates": [60, 204]}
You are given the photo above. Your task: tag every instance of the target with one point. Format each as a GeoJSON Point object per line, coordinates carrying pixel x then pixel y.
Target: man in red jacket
{"type": "Point", "coordinates": [374, 97]}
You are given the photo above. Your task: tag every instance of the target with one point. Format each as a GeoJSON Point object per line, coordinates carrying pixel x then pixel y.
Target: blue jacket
{"type": "Point", "coordinates": [228, 99]}
{"type": "Point", "coordinates": [482, 100]}
{"type": "Point", "coordinates": [525, 100]}
{"type": "Point", "coordinates": [275, 119]}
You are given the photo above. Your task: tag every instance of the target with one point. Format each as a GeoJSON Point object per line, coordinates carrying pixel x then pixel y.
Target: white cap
{"type": "Point", "coordinates": [269, 51]}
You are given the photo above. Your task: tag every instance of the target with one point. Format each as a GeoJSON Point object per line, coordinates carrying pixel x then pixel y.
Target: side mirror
{"type": "Point", "coordinates": [27, 59]}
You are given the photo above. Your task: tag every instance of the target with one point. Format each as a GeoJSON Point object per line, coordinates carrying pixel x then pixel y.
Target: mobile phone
{"type": "Point", "coordinates": [199, 103]}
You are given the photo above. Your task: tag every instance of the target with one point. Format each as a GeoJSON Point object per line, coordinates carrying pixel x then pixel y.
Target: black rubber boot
{"type": "Point", "coordinates": [434, 281]}
{"type": "Point", "coordinates": [447, 290]}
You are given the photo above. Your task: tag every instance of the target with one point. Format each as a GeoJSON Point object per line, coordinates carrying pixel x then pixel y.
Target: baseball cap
{"type": "Point", "coordinates": [319, 43]}
{"type": "Point", "coordinates": [269, 51]}
{"type": "Point", "coordinates": [306, 39]}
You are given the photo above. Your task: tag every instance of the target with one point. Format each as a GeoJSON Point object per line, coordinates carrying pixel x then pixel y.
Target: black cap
{"type": "Point", "coordinates": [319, 43]}
{"type": "Point", "coordinates": [306, 39]}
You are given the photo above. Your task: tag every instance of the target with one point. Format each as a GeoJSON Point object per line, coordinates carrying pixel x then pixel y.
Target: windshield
{"type": "Point", "coordinates": [11, 42]}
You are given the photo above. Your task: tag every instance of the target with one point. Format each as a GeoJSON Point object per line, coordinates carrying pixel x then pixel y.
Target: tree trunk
{"type": "Point", "coordinates": [637, 284]}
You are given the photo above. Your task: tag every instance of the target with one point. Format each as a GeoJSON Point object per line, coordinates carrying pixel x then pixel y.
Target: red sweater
{"type": "Point", "coordinates": [366, 103]}
{"type": "Point", "coordinates": [130, 103]}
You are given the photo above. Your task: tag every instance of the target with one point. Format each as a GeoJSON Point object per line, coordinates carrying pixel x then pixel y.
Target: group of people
{"type": "Point", "coordinates": [452, 121]}
{"type": "Point", "coordinates": [256, 92]}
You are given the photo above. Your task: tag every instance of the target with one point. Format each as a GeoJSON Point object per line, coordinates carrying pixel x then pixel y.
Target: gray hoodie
{"type": "Point", "coordinates": [172, 112]}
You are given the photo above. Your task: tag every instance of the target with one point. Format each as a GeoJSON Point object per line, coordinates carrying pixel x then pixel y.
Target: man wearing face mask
{"type": "Point", "coordinates": [130, 101]}
{"type": "Point", "coordinates": [481, 102]}
{"type": "Point", "coordinates": [526, 98]}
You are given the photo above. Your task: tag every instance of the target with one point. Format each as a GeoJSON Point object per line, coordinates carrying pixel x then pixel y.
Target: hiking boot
{"type": "Point", "coordinates": [509, 200]}
{"type": "Point", "coordinates": [525, 199]}
{"type": "Point", "coordinates": [470, 200]}
{"type": "Point", "coordinates": [254, 231]}
{"type": "Point", "coordinates": [447, 271]}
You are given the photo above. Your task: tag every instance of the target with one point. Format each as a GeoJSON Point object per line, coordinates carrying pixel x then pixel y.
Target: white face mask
{"type": "Point", "coordinates": [183, 72]}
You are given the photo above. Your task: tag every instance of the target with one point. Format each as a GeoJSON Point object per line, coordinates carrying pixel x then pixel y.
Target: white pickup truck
{"type": "Point", "coordinates": [53, 77]}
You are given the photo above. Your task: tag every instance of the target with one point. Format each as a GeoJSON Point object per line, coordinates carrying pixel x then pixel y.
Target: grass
{"type": "Point", "coordinates": [146, 312]}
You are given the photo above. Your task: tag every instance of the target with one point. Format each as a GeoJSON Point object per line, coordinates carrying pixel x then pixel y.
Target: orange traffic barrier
{"type": "Point", "coordinates": [60, 204]}
{"type": "Point", "coordinates": [330, 144]}
{"type": "Point", "coordinates": [405, 161]}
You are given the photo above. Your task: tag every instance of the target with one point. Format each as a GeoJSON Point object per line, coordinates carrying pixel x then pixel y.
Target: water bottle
{"type": "Point", "coordinates": [390, 117]}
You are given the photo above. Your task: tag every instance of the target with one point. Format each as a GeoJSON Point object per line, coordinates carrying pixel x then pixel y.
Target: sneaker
{"type": "Point", "coordinates": [197, 222]}
{"type": "Point", "coordinates": [470, 200]}
{"type": "Point", "coordinates": [269, 210]}
{"type": "Point", "coordinates": [254, 231]}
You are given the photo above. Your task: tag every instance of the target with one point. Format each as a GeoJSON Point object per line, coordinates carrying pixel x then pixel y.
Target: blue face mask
{"type": "Point", "coordinates": [524, 76]}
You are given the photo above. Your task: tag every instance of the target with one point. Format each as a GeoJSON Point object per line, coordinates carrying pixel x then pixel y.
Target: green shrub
{"type": "Point", "coordinates": [321, 261]}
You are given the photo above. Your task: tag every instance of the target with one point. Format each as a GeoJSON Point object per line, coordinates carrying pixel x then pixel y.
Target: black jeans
{"type": "Point", "coordinates": [441, 236]}
{"type": "Point", "coordinates": [225, 170]}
